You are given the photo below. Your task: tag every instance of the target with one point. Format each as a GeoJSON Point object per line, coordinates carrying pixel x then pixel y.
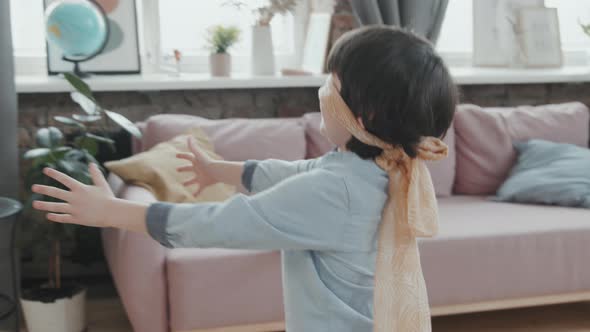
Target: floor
{"type": "Point", "coordinates": [107, 315]}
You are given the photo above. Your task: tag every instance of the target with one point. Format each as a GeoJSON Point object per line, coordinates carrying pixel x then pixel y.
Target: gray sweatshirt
{"type": "Point", "coordinates": [323, 214]}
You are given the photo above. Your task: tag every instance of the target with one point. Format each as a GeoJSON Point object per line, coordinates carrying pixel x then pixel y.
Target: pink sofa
{"type": "Point", "coordinates": [488, 255]}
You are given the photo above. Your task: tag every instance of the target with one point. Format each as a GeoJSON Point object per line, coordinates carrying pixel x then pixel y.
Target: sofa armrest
{"type": "Point", "coordinates": [137, 264]}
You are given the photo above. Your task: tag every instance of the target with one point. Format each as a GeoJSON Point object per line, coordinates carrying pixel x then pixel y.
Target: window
{"type": "Point", "coordinates": [184, 24]}
{"type": "Point", "coordinates": [28, 33]}
{"type": "Point", "coordinates": [456, 35]}
{"type": "Point", "coordinates": [571, 12]}
{"type": "Point", "coordinates": [457, 30]}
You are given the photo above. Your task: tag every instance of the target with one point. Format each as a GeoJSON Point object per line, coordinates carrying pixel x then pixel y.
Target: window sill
{"type": "Point", "coordinates": [151, 82]}
{"type": "Point", "coordinates": [147, 82]}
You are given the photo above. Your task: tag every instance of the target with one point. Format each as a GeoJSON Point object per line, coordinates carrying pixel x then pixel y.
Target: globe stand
{"type": "Point", "coordinates": [77, 70]}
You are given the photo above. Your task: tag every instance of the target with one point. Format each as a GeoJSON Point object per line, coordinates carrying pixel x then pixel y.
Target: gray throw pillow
{"type": "Point", "coordinates": [548, 173]}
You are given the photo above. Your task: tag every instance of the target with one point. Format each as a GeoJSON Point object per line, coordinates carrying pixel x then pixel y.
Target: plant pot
{"type": "Point", "coordinates": [43, 313]}
{"type": "Point", "coordinates": [262, 57]}
{"type": "Point", "coordinates": [220, 64]}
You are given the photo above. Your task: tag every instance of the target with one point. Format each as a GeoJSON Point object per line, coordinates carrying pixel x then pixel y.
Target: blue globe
{"type": "Point", "coordinates": [77, 27]}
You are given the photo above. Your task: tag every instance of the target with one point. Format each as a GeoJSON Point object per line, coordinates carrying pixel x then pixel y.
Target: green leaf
{"type": "Point", "coordinates": [49, 137]}
{"type": "Point", "coordinates": [124, 123]}
{"type": "Point", "coordinates": [36, 153]}
{"type": "Point", "coordinates": [87, 118]}
{"type": "Point", "coordinates": [79, 85]}
{"type": "Point", "coordinates": [100, 138]}
{"type": "Point", "coordinates": [88, 105]}
{"type": "Point", "coordinates": [90, 159]}
{"type": "Point", "coordinates": [76, 169]}
{"type": "Point", "coordinates": [68, 121]}
{"type": "Point", "coordinates": [89, 145]}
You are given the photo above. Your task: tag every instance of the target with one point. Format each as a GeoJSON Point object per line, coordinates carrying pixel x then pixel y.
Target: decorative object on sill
{"type": "Point", "coordinates": [541, 37]}
{"type": "Point", "coordinates": [220, 39]}
{"type": "Point", "coordinates": [55, 307]}
{"type": "Point", "coordinates": [424, 17]}
{"type": "Point", "coordinates": [498, 34]}
{"type": "Point", "coordinates": [98, 36]}
{"type": "Point", "coordinates": [262, 51]}
{"type": "Point", "coordinates": [177, 61]}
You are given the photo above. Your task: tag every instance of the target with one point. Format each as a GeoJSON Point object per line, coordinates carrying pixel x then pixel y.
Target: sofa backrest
{"type": "Point", "coordinates": [234, 139]}
{"type": "Point", "coordinates": [443, 171]}
{"type": "Point", "coordinates": [485, 136]}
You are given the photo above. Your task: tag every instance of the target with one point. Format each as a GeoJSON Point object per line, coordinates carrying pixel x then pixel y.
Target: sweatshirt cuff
{"type": "Point", "coordinates": [248, 174]}
{"type": "Point", "coordinates": [156, 222]}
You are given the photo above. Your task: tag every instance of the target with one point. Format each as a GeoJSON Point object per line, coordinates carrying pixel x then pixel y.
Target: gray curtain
{"type": "Point", "coordinates": [423, 17]}
{"type": "Point", "coordinates": [8, 144]}
{"type": "Point", "coordinates": [8, 109]}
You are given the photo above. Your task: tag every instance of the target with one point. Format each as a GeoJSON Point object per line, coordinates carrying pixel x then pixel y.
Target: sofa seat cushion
{"type": "Point", "coordinates": [234, 139]}
{"type": "Point", "coordinates": [489, 251]}
{"type": "Point", "coordinates": [211, 288]}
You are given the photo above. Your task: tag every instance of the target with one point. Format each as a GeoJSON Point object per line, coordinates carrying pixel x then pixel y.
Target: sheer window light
{"type": "Point", "coordinates": [28, 31]}
{"type": "Point", "coordinates": [570, 12]}
{"type": "Point", "coordinates": [184, 25]}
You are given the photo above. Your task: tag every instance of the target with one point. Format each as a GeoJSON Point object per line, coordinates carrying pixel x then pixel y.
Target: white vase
{"type": "Point", "coordinates": [220, 64]}
{"type": "Point", "coordinates": [63, 315]}
{"type": "Point", "coordinates": [262, 57]}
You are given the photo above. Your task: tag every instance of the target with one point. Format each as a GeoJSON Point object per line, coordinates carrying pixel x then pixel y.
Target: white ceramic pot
{"type": "Point", "coordinates": [262, 57]}
{"type": "Point", "coordinates": [220, 64]}
{"type": "Point", "coordinates": [63, 315]}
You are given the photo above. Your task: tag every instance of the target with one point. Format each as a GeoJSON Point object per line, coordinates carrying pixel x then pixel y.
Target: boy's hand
{"type": "Point", "coordinates": [201, 165]}
{"type": "Point", "coordinates": [86, 205]}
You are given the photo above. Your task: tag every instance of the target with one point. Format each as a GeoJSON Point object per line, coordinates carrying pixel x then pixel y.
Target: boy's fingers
{"type": "Point", "coordinates": [192, 147]}
{"type": "Point", "coordinates": [61, 178]}
{"type": "Point", "coordinates": [199, 191]}
{"type": "Point", "coordinates": [187, 168]}
{"type": "Point", "coordinates": [190, 182]}
{"type": "Point", "coordinates": [52, 206]}
{"type": "Point", "coordinates": [186, 156]}
{"type": "Point", "coordinates": [51, 191]}
{"type": "Point", "coordinates": [97, 177]}
{"type": "Point", "coordinates": [61, 218]}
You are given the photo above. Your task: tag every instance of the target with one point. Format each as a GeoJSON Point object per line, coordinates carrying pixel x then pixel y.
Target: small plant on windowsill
{"type": "Point", "coordinates": [585, 28]}
{"type": "Point", "coordinates": [219, 40]}
{"type": "Point", "coordinates": [45, 306]}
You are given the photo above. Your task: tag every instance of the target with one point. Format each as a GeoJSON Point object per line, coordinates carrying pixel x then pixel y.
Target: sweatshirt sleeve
{"type": "Point", "coordinates": [261, 175]}
{"type": "Point", "coordinates": [306, 211]}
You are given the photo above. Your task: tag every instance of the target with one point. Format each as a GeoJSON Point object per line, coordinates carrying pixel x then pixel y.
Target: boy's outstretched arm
{"type": "Point", "coordinates": [90, 205]}
{"type": "Point", "coordinates": [238, 174]}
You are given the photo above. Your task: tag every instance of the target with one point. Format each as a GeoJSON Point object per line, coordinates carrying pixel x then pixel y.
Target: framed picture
{"type": "Point", "coordinates": [541, 39]}
{"type": "Point", "coordinates": [496, 32]}
{"type": "Point", "coordinates": [120, 54]}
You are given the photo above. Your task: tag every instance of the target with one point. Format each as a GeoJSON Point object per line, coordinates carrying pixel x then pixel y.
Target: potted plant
{"type": "Point", "coordinates": [219, 40]}
{"type": "Point", "coordinates": [262, 56]}
{"type": "Point", "coordinates": [57, 306]}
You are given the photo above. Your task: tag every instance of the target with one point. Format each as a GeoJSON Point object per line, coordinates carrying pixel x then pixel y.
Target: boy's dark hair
{"type": "Point", "coordinates": [396, 83]}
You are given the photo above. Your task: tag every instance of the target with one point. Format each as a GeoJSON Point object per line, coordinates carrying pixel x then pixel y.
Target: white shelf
{"type": "Point", "coordinates": [147, 82]}
{"type": "Point", "coordinates": [473, 75]}
{"type": "Point", "coordinates": [47, 84]}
